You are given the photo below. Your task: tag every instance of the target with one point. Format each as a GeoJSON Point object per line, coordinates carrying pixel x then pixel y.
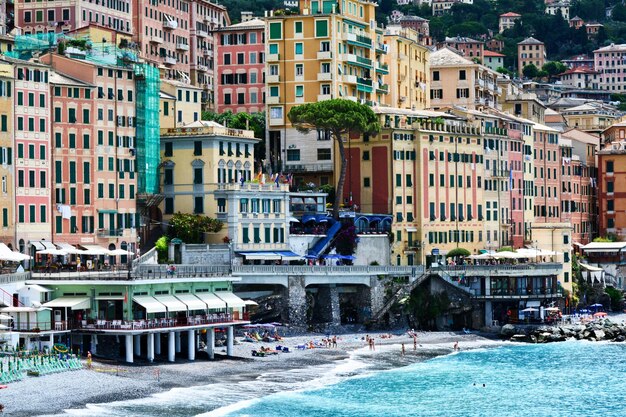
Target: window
{"type": "Point", "coordinates": [609, 166]}
{"type": "Point", "coordinates": [169, 205]}
{"type": "Point", "coordinates": [169, 149]}
{"type": "Point", "coordinates": [299, 91]}
{"type": "Point", "coordinates": [323, 154]}
{"type": "Point", "coordinates": [293, 154]}
{"type": "Point", "coordinates": [462, 75]}
{"type": "Point", "coordinates": [435, 75]}
{"type": "Point", "coordinates": [111, 190]}
{"type": "Point", "coordinates": [321, 28]}
{"type": "Point", "coordinates": [197, 176]}
{"type": "Point", "coordinates": [299, 48]}
{"type": "Point", "coordinates": [366, 155]}
{"type": "Point", "coordinates": [366, 182]}
{"type": "Point", "coordinates": [300, 69]}
{"type": "Point", "coordinates": [297, 27]}
{"type": "Point", "coordinates": [197, 148]}
{"type": "Point", "coordinates": [198, 205]}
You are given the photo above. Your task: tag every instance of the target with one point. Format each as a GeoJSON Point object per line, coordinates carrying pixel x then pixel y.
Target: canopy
{"type": "Point", "coordinates": [109, 297]}
{"type": "Point", "coordinates": [552, 309]}
{"type": "Point", "coordinates": [5, 317]}
{"type": "Point", "coordinates": [250, 303]}
{"type": "Point", "coordinates": [261, 256]}
{"type": "Point", "coordinates": [71, 250]}
{"type": "Point", "coordinates": [308, 218]}
{"type": "Point", "coordinates": [3, 327]}
{"type": "Point", "coordinates": [94, 250]}
{"type": "Point", "coordinates": [23, 309]}
{"type": "Point", "coordinates": [74, 303]}
{"type": "Point", "coordinates": [55, 252]}
{"type": "Point", "coordinates": [38, 288]}
{"type": "Point", "coordinates": [119, 252]}
{"type": "Point", "coordinates": [293, 220]}
{"type": "Point", "coordinates": [40, 245]}
{"type": "Point", "coordinates": [172, 303]}
{"type": "Point", "coordinates": [288, 255]}
{"type": "Point", "coordinates": [231, 300]}
{"type": "Point", "coordinates": [192, 302]}
{"type": "Point", "coordinates": [150, 304]}
{"type": "Point", "coordinates": [605, 247]}
{"type": "Point", "coordinates": [212, 301]}
{"type": "Point", "coordinates": [6, 254]}
{"type": "Point", "coordinates": [529, 310]}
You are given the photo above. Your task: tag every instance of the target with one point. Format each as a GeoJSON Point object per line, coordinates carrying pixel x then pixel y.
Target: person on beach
{"type": "Point", "coordinates": [335, 341]}
{"type": "Point", "coordinates": [414, 342]}
{"type": "Point", "coordinates": [403, 350]}
{"type": "Point", "coordinates": [456, 346]}
{"type": "Point", "coordinates": [89, 359]}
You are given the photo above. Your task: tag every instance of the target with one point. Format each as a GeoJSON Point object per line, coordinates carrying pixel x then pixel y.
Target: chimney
{"type": "Point", "coordinates": [246, 16]}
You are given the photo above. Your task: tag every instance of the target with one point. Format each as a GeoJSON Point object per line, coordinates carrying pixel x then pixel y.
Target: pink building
{"type": "Point", "coordinates": [72, 159]}
{"type": "Point", "coordinates": [113, 185]}
{"type": "Point", "coordinates": [206, 18]}
{"type": "Point", "coordinates": [32, 158]}
{"type": "Point", "coordinates": [516, 179]}
{"type": "Point", "coordinates": [240, 71]}
{"type": "Point", "coordinates": [163, 36]}
{"type": "Point", "coordinates": [65, 15]}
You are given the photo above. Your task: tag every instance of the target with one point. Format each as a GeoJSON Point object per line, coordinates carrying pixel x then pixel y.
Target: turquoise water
{"type": "Point", "coordinates": [558, 379]}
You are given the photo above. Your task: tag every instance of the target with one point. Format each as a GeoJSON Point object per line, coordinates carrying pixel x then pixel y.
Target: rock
{"type": "Point", "coordinates": [519, 338]}
{"type": "Point", "coordinates": [598, 334]}
{"type": "Point", "coordinates": [508, 330]}
{"type": "Point", "coordinates": [620, 338]}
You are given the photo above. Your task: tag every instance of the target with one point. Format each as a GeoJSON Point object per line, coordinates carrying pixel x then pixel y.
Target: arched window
{"type": "Point", "coordinates": [124, 258]}
{"type": "Point", "coordinates": [112, 258]}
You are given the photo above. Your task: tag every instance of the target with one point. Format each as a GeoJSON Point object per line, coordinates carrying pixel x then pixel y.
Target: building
{"type": "Point", "coordinates": [493, 60]}
{"type": "Point", "coordinates": [494, 44]}
{"type": "Point", "coordinates": [240, 73]}
{"type": "Point", "coordinates": [7, 154]}
{"type": "Point", "coordinates": [304, 65]}
{"type": "Point", "coordinates": [420, 25]}
{"type": "Point", "coordinates": [609, 63]}
{"type": "Point", "coordinates": [507, 21]}
{"type": "Point", "coordinates": [580, 78]}
{"type": "Point", "coordinates": [576, 22]}
{"type": "Point", "coordinates": [103, 121]}
{"type": "Point", "coordinates": [32, 139]}
{"type": "Point", "coordinates": [468, 47]}
{"type": "Point", "coordinates": [188, 103]}
{"type": "Point", "coordinates": [611, 181]}
{"type": "Point", "coordinates": [441, 7]}
{"type": "Point", "coordinates": [406, 61]}
{"type": "Point", "coordinates": [530, 51]}
{"type": "Point", "coordinates": [592, 117]}
{"type": "Point", "coordinates": [555, 238]}
{"type": "Point", "coordinates": [593, 29]}
{"type": "Point", "coordinates": [547, 174]}
{"type": "Point", "coordinates": [579, 61]}
{"type": "Point", "coordinates": [458, 81]}
{"type": "Point", "coordinates": [559, 7]}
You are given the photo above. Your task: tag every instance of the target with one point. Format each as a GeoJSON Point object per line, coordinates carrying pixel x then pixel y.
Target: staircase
{"type": "Point", "coordinates": [402, 292]}
{"type": "Point", "coordinates": [6, 299]}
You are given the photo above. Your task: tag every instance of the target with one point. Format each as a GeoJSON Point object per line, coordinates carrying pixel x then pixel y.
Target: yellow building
{"type": "Point", "coordinates": [188, 105]}
{"type": "Point", "coordinates": [329, 50]}
{"type": "Point", "coordinates": [593, 117]}
{"type": "Point", "coordinates": [98, 33]}
{"type": "Point", "coordinates": [530, 51]}
{"type": "Point", "coordinates": [408, 64]}
{"type": "Point", "coordinates": [6, 43]}
{"type": "Point", "coordinates": [7, 200]}
{"type": "Point", "coordinates": [167, 111]}
{"type": "Point", "coordinates": [556, 239]}
{"type": "Point", "coordinates": [458, 81]}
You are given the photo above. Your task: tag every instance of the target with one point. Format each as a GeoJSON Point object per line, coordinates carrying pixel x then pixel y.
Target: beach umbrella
{"type": "Point", "coordinates": [600, 314]}
{"type": "Point", "coordinates": [597, 305]}
{"type": "Point", "coordinates": [552, 309]}
{"type": "Point", "coordinates": [119, 252]}
{"type": "Point", "coordinates": [529, 310]}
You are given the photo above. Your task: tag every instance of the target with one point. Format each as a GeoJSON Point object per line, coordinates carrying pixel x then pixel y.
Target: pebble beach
{"type": "Point", "coordinates": [108, 381]}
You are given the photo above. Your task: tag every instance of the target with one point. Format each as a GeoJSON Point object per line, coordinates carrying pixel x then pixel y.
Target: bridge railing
{"type": "Point", "coordinates": [326, 270]}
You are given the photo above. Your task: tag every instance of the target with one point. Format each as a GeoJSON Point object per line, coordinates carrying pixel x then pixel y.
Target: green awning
{"type": "Point", "coordinates": [110, 211]}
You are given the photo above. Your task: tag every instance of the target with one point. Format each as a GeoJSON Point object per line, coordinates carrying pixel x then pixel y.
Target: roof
{"type": "Point", "coordinates": [545, 128]}
{"type": "Point", "coordinates": [166, 96]}
{"type": "Point", "coordinates": [56, 78]}
{"type": "Point", "coordinates": [249, 24]}
{"type": "Point", "coordinates": [413, 18]}
{"type": "Point", "coordinates": [579, 70]}
{"type": "Point", "coordinates": [581, 136]}
{"type": "Point", "coordinates": [611, 47]}
{"type": "Point", "coordinates": [575, 18]}
{"type": "Point", "coordinates": [446, 56]}
{"type": "Point", "coordinates": [492, 53]}
{"type": "Point", "coordinates": [412, 113]}
{"type": "Point", "coordinates": [462, 39]}
{"type": "Point", "coordinates": [510, 14]}
{"type": "Point", "coordinates": [180, 84]}
{"type": "Point", "coordinates": [530, 41]}
{"type": "Point", "coordinates": [605, 247]}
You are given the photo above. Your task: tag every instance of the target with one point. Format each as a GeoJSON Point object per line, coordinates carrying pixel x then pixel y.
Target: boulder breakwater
{"type": "Point", "coordinates": [594, 331]}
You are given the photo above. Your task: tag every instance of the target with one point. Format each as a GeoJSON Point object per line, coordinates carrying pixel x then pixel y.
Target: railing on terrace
{"type": "Point", "coordinates": [42, 326]}
{"type": "Point", "coordinates": [327, 270]}
{"type": "Point", "coordinates": [120, 272]}
{"type": "Point", "coordinates": [161, 323]}
{"type": "Point", "coordinates": [521, 292]}
{"type": "Point", "coordinates": [530, 267]}
{"type": "Point", "coordinates": [207, 130]}
{"type": "Point", "coordinates": [180, 271]}
{"type": "Point", "coordinates": [14, 277]}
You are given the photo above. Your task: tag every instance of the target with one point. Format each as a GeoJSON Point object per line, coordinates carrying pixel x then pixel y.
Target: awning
{"type": "Point", "coordinates": [94, 250]}
{"type": "Point", "coordinates": [231, 300]}
{"type": "Point", "coordinates": [75, 303]}
{"type": "Point", "coordinates": [374, 219]}
{"type": "Point", "coordinates": [38, 288]}
{"type": "Point", "coordinates": [172, 303]}
{"type": "Point", "coordinates": [590, 267]}
{"type": "Point", "coordinates": [110, 211]}
{"type": "Point", "coordinates": [293, 220]}
{"type": "Point", "coordinates": [297, 200]}
{"type": "Point", "coordinates": [288, 255]}
{"type": "Point", "coordinates": [308, 218]}
{"type": "Point", "coordinates": [6, 254]}
{"type": "Point", "coordinates": [533, 303]}
{"type": "Point", "coordinates": [23, 309]}
{"type": "Point", "coordinates": [150, 304]}
{"type": "Point", "coordinates": [192, 302]}
{"type": "Point", "coordinates": [411, 229]}
{"type": "Point", "coordinates": [109, 297]}
{"type": "Point", "coordinates": [42, 245]}
{"type": "Point", "coordinates": [261, 256]}
{"type": "Point", "coordinates": [70, 249]}
{"type": "Point", "coordinates": [212, 301]}
{"type": "Point", "coordinates": [251, 303]}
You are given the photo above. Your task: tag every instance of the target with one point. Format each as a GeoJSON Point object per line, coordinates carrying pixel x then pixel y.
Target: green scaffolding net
{"type": "Point", "coordinates": [147, 82]}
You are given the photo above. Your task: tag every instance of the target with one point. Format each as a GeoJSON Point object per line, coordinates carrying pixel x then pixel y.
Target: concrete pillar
{"type": "Point", "coordinates": [137, 345]}
{"type": "Point", "coordinates": [230, 337]}
{"type": "Point", "coordinates": [210, 342]}
{"type": "Point", "coordinates": [191, 344]}
{"type": "Point", "coordinates": [335, 308]}
{"type": "Point", "coordinates": [157, 344]}
{"type": "Point", "coordinates": [177, 336]}
{"type": "Point", "coordinates": [297, 301]}
{"type": "Point", "coordinates": [150, 347]}
{"type": "Point", "coordinates": [171, 352]}
{"type": "Point", "coordinates": [488, 313]}
{"type": "Point", "coordinates": [94, 344]}
{"type": "Point", "coordinates": [129, 348]}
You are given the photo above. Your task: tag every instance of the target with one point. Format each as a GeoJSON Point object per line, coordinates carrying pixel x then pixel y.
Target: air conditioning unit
{"type": "Point", "coordinates": [402, 98]}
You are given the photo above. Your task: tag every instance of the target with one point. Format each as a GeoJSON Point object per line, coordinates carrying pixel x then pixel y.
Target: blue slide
{"type": "Point", "coordinates": [321, 245]}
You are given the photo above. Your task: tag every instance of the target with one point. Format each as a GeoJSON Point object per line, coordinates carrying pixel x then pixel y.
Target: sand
{"type": "Point", "coordinates": [107, 381]}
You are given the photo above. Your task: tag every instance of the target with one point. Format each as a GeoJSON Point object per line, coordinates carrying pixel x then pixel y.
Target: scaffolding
{"type": "Point", "coordinates": [148, 85]}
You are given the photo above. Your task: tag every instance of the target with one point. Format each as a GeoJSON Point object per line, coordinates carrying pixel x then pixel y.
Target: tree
{"type": "Point", "coordinates": [553, 68]}
{"type": "Point", "coordinates": [458, 252]}
{"type": "Point", "coordinates": [248, 121]}
{"type": "Point", "coordinates": [339, 117]}
{"type": "Point", "coordinates": [190, 228]}
{"type": "Point", "coordinates": [530, 71]}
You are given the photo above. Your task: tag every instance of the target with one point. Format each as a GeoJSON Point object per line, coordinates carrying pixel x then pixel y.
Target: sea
{"type": "Point", "coordinates": [576, 378]}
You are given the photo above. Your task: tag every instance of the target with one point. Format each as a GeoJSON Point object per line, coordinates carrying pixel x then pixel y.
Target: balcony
{"type": "Point", "coordinates": [479, 100]}
{"type": "Point", "coordinates": [302, 168]}
{"type": "Point", "coordinates": [500, 173]}
{"type": "Point", "coordinates": [357, 60]}
{"type": "Point", "coordinates": [156, 39]}
{"type": "Point", "coordinates": [324, 76]}
{"type": "Point", "coordinates": [201, 33]}
{"type": "Point", "coordinates": [110, 232]}
{"type": "Point", "coordinates": [277, 121]}
{"type": "Point", "coordinates": [349, 57]}
{"type": "Point", "coordinates": [322, 97]}
{"type": "Point", "coordinates": [170, 24]}
{"type": "Point", "coordinates": [272, 78]}
{"type": "Point", "coordinates": [529, 269]}
{"type": "Point", "coordinates": [349, 79]}
{"type": "Point", "coordinates": [359, 40]}
{"type": "Point", "coordinates": [182, 46]}
{"type": "Point", "coordinates": [202, 68]}
{"type": "Point", "coordinates": [383, 88]}
{"type": "Point", "coordinates": [273, 57]}
{"type": "Point", "coordinates": [479, 82]}
{"type": "Point", "coordinates": [273, 99]}
{"type": "Point", "coordinates": [168, 60]}
{"type": "Point", "coordinates": [324, 55]}
{"type": "Point", "coordinates": [207, 52]}
{"type": "Point", "coordinates": [381, 48]}
{"type": "Point", "coordinates": [382, 68]}
{"type": "Point", "coordinates": [364, 84]}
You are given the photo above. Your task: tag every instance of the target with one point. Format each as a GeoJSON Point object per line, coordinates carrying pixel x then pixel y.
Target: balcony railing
{"type": "Point", "coordinates": [110, 232]}
{"type": "Point", "coordinates": [327, 270]}
{"type": "Point", "coordinates": [156, 39]}
{"type": "Point", "coordinates": [168, 60]}
{"type": "Point", "coordinates": [364, 81]}
{"type": "Point", "coordinates": [170, 24]}
{"type": "Point", "coordinates": [299, 168]}
{"type": "Point", "coordinates": [182, 46]}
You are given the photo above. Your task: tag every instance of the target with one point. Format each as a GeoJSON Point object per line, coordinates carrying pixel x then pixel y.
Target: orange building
{"type": "Point", "coordinates": [612, 181]}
